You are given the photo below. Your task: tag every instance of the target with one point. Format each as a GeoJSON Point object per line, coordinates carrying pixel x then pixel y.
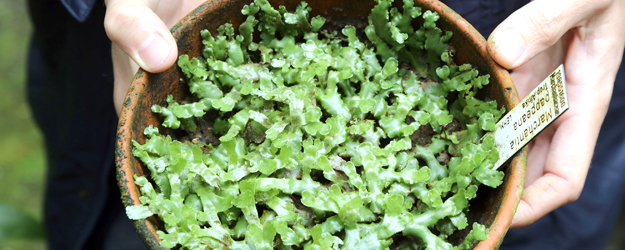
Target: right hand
{"type": "Point", "coordinates": [587, 36]}
{"type": "Point", "coordinates": [139, 30]}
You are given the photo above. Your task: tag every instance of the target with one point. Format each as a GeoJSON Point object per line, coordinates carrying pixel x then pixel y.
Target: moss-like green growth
{"type": "Point", "coordinates": [326, 141]}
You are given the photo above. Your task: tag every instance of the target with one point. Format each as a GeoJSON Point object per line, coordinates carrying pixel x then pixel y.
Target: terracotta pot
{"type": "Point", "coordinates": [493, 207]}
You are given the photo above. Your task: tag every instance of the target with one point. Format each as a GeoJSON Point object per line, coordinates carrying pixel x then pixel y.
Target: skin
{"type": "Point", "coordinates": [585, 35]}
{"type": "Point", "coordinates": [139, 30]}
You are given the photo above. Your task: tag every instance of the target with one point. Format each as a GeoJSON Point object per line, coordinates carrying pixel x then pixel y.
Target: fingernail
{"type": "Point", "coordinates": [510, 44]}
{"type": "Point", "coordinates": [154, 50]}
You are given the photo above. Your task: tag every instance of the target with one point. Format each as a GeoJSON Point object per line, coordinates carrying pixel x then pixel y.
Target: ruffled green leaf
{"type": "Point", "coordinates": [325, 144]}
{"type": "Point", "coordinates": [138, 212]}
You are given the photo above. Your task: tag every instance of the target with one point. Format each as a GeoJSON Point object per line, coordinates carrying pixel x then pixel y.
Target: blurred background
{"type": "Point", "coordinates": [22, 158]}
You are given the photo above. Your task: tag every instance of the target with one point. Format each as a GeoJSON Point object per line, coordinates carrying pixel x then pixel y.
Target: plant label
{"type": "Point", "coordinates": [532, 115]}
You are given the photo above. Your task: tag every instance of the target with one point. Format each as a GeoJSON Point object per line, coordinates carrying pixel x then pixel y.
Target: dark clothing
{"type": "Point", "coordinates": [79, 9]}
{"type": "Point", "coordinates": [70, 89]}
{"type": "Point", "coordinates": [485, 15]}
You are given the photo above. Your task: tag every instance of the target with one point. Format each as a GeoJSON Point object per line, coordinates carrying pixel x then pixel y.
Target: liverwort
{"type": "Point", "coordinates": [302, 135]}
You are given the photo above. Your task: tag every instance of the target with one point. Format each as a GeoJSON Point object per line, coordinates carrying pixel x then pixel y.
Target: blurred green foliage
{"type": "Point", "coordinates": [16, 224]}
{"type": "Point", "coordinates": [22, 158]}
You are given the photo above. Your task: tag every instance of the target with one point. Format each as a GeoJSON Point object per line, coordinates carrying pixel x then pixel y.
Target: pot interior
{"type": "Point", "coordinates": [492, 207]}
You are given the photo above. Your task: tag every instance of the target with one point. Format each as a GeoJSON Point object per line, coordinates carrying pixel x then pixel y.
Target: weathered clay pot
{"type": "Point", "coordinates": [493, 207]}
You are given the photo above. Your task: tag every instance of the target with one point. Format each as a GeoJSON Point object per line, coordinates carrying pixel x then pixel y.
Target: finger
{"type": "Point", "coordinates": [537, 153]}
{"type": "Point", "coordinates": [543, 196]}
{"type": "Point", "coordinates": [592, 59]}
{"type": "Point", "coordinates": [172, 11]}
{"type": "Point", "coordinates": [141, 34]}
{"type": "Point", "coordinates": [567, 161]}
{"type": "Point", "coordinates": [527, 76]}
{"type": "Point", "coordinates": [538, 25]}
{"type": "Point", "coordinates": [568, 153]}
{"type": "Point", "coordinates": [124, 69]}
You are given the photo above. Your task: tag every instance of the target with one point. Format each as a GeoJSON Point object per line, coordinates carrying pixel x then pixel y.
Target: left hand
{"type": "Point", "coordinates": [139, 30]}
{"type": "Point", "coordinates": [588, 37]}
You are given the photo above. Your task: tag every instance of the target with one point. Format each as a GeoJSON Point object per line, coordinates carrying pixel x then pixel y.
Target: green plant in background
{"type": "Point", "coordinates": [22, 160]}
{"type": "Point", "coordinates": [326, 141]}
{"type": "Point", "coordinates": [15, 224]}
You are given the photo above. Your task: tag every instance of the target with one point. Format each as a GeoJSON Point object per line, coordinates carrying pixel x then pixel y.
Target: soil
{"type": "Point", "coordinates": [204, 132]}
{"type": "Point", "coordinates": [423, 136]}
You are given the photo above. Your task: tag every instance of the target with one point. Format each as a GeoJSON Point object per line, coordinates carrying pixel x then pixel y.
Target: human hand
{"type": "Point", "coordinates": [139, 30]}
{"type": "Point", "coordinates": [587, 36]}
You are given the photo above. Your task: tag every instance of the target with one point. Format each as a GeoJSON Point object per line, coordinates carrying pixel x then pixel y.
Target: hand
{"type": "Point", "coordinates": [139, 30]}
{"type": "Point", "coordinates": [587, 36]}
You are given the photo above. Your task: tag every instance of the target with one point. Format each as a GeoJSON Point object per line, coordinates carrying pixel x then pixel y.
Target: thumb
{"type": "Point", "coordinates": [537, 26]}
{"type": "Point", "coordinates": [140, 33]}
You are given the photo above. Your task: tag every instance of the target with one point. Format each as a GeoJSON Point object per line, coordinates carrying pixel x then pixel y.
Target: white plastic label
{"type": "Point", "coordinates": [530, 116]}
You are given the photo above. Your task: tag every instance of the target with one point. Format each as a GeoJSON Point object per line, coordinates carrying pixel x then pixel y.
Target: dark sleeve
{"type": "Point", "coordinates": [79, 9]}
{"type": "Point", "coordinates": [485, 15]}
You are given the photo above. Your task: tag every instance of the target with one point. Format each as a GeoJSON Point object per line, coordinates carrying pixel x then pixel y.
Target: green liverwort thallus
{"type": "Point", "coordinates": [322, 137]}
